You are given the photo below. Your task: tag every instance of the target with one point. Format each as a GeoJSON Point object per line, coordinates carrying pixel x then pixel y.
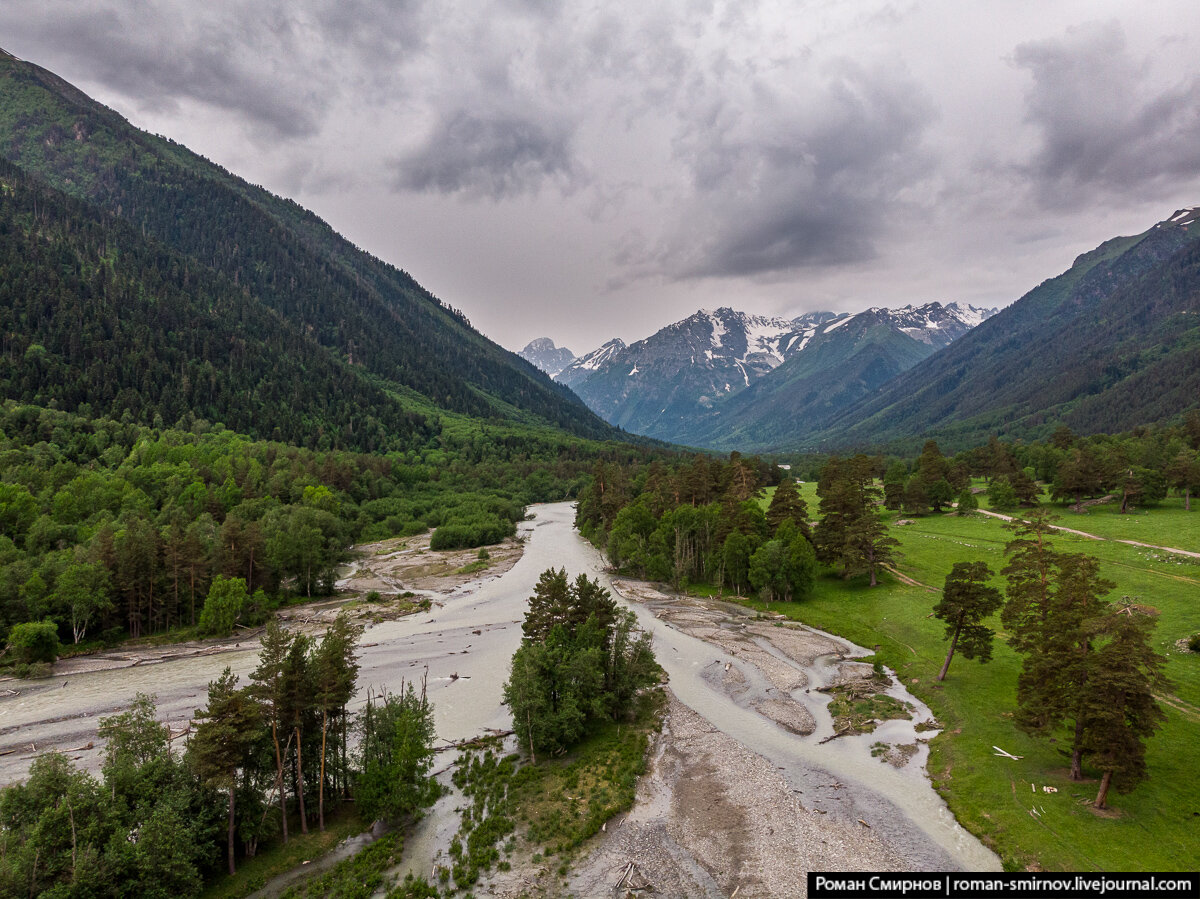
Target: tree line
{"type": "Point", "coordinates": [110, 529]}
{"type": "Point", "coordinates": [1138, 468]}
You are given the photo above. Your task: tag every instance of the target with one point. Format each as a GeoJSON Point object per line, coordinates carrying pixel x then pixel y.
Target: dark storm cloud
{"type": "Point", "coordinates": [495, 155]}
{"type": "Point", "coordinates": [159, 58]}
{"type": "Point", "coordinates": [812, 186]}
{"type": "Point", "coordinates": [1101, 127]}
{"type": "Point", "coordinates": [280, 65]}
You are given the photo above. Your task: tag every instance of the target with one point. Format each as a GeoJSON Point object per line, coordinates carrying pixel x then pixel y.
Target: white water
{"type": "Point", "coordinates": [900, 804]}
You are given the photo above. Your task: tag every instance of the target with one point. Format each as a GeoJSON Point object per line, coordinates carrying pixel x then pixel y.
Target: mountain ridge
{"type": "Point", "coordinates": [1111, 343]}
{"type": "Point", "coordinates": [356, 307]}
{"type": "Point", "coordinates": [686, 381]}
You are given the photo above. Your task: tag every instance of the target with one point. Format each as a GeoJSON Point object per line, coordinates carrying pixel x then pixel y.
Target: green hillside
{"type": "Point", "coordinates": [1111, 344]}
{"type": "Point", "coordinates": [374, 323]}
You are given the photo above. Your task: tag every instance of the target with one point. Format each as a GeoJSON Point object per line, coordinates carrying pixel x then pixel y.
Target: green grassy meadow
{"type": "Point", "coordinates": [1157, 826]}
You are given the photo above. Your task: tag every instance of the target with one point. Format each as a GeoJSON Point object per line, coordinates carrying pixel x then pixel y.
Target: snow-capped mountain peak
{"type": "Point", "coordinates": [543, 354]}
{"type": "Point", "coordinates": [694, 366]}
{"type": "Point", "coordinates": [582, 367]}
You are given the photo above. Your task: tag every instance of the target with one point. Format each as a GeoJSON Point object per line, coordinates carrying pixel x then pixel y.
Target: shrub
{"type": "Point", "coordinates": [1194, 643]}
{"type": "Point", "coordinates": [1002, 496]}
{"type": "Point", "coordinates": [967, 503]}
{"type": "Point", "coordinates": [224, 606]}
{"type": "Point", "coordinates": [467, 533]}
{"type": "Point", "coordinates": [34, 641]}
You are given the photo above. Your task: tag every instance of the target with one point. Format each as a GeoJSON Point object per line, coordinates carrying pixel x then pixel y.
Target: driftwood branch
{"type": "Point", "coordinates": [474, 741]}
{"type": "Point", "coordinates": [841, 733]}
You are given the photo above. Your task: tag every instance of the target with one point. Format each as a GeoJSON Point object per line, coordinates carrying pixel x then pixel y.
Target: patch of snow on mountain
{"type": "Point", "coordinates": [718, 330]}
{"type": "Point", "coordinates": [633, 371]}
{"type": "Point", "coordinates": [969, 315]}
{"type": "Point", "coordinates": [838, 324]}
{"type": "Point", "coordinates": [763, 336]}
{"type": "Point", "coordinates": [596, 358]}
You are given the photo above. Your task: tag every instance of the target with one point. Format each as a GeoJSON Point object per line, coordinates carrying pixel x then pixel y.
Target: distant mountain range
{"type": "Point", "coordinates": [1108, 345]}
{"type": "Point", "coordinates": [139, 278]}
{"type": "Point", "coordinates": [727, 379]}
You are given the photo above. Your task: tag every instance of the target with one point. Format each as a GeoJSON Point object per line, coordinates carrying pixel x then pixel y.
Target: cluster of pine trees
{"type": "Point", "coordinates": [582, 659]}
{"type": "Point", "coordinates": [850, 532]}
{"type": "Point", "coordinates": [160, 823]}
{"type": "Point", "coordinates": [699, 520]}
{"type": "Point", "coordinates": [702, 522]}
{"type": "Point", "coordinates": [1088, 665]}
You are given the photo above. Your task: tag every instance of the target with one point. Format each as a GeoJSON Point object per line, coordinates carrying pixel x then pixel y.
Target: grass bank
{"type": "Point", "coordinates": [538, 815]}
{"type": "Point", "coordinates": [277, 858]}
{"type": "Point", "coordinates": [1002, 800]}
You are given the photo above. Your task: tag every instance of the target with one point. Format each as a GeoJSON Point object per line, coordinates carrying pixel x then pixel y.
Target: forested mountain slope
{"type": "Point", "coordinates": [371, 321]}
{"type": "Point", "coordinates": [94, 318]}
{"type": "Point", "coordinates": [1110, 344]}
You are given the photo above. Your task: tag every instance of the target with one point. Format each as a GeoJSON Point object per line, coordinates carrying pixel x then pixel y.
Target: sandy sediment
{"type": "Point", "coordinates": [407, 564]}
{"type": "Point", "coordinates": [390, 567]}
{"type": "Point", "coordinates": [712, 817]}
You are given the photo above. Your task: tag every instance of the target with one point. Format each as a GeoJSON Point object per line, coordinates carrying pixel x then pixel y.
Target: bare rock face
{"type": "Point", "coordinates": [543, 354]}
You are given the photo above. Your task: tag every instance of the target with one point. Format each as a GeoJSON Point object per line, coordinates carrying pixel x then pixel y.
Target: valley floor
{"type": "Point", "coordinates": [748, 788]}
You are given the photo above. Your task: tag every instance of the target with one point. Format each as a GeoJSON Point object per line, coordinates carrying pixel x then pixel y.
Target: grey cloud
{"type": "Point", "coordinates": [280, 65]}
{"type": "Point", "coordinates": [1100, 127]}
{"type": "Point", "coordinates": [491, 155]}
{"type": "Point", "coordinates": [815, 191]}
{"type": "Point", "coordinates": [159, 56]}
{"type": "Point", "coordinates": [380, 30]}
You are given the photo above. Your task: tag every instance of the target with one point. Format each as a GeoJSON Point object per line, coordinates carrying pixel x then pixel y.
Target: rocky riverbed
{"type": "Point", "coordinates": [749, 785]}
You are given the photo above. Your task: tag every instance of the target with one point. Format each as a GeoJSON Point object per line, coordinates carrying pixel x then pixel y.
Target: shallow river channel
{"type": "Point", "coordinates": [465, 644]}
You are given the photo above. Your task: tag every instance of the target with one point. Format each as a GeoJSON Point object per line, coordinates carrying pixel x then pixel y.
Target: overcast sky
{"type": "Point", "coordinates": [589, 170]}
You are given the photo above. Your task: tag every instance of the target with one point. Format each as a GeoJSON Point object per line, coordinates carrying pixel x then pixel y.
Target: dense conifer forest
{"type": "Point", "coordinates": [251, 274]}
